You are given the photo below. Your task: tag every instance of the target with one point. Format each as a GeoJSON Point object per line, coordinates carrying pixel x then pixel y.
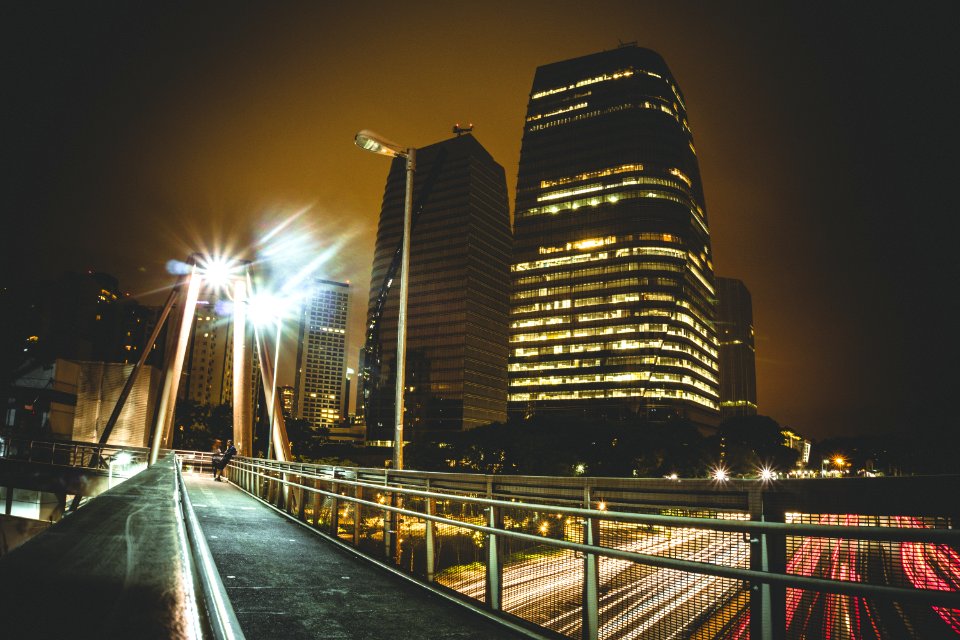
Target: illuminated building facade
{"type": "Point", "coordinates": [613, 300]}
{"type": "Point", "coordinates": [209, 365]}
{"type": "Point", "coordinates": [738, 366]}
{"type": "Point", "coordinates": [458, 297]}
{"type": "Point", "coordinates": [321, 354]}
{"type": "Point", "coordinates": [286, 400]}
{"type": "Point", "coordinates": [799, 444]}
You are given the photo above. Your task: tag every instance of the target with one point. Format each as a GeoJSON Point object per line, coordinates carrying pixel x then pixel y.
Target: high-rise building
{"type": "Point", "coordinates": [321, 353]}
{"type": "Point", "coordinates": [456, 348]}
{"type": "Point", "coordinates": [209, 365]}
{"type": "Point", "coordinates": [286, 400]}
{"type": "Point", "coordinates": [210, 359]}
{"type": "Point", "coordinates": [738, 366]}
{"type": "Point", "coordinates": [137, 324]}
{"type": "Point", "coordinates": [612, 308]}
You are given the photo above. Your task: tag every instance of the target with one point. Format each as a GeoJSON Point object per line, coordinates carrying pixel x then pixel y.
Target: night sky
{"type": "Point", "coordinates": [134, 133]}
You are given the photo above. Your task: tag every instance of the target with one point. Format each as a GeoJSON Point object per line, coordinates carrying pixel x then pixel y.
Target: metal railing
{"type": "Point", "coordinates": [611, 558]}
{"type": "Point", "coordinates": [213, 604]}
{"type": "Point", "coordinates": [67, 453]}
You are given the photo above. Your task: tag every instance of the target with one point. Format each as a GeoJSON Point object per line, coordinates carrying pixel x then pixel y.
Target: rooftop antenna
{"type": "Point", "coordinates": [459, 131]}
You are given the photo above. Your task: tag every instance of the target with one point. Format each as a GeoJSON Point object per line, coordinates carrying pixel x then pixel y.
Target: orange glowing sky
{"type": "Point", "coordinates": [138, 134]}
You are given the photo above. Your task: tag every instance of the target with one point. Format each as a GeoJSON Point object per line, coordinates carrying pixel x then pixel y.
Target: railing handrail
{"type": "Point", "coordinates": [220, 614]}
{"type": "Point", "coordinates": [925, 596]}
{"type": "Point", "coordinates": [899, 534]}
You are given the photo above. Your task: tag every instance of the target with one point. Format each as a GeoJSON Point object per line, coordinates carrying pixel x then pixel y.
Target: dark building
{"type": "Point", "coordinates": [738, 366]}
{"type": "Point", "coordinates": [79, 322]}
{"type": "Point", "coordinates": [612, 305]}
{"type": "Point", "coordinates": [456, 357]}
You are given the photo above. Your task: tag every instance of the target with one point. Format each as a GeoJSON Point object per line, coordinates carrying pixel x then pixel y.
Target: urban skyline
{"type": "Point", "coordinates": [802, 189]}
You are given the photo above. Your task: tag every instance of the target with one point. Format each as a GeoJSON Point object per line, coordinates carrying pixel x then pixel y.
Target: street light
{"type": "Point", "coordinates": [370, 141]}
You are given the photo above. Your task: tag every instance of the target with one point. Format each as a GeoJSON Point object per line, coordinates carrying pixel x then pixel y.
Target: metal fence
{"type": "Point", "coordinates": [619, 558]}
{"type": "Point", "coordinates": [69, 453]}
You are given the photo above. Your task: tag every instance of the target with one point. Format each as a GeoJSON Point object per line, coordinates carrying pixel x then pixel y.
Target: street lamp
{"type": "Point", "coordinates": [370, 141]}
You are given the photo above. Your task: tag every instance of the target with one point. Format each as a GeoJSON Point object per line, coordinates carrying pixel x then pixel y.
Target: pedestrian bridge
{"type": "Point", "coordinates": [286, 550]}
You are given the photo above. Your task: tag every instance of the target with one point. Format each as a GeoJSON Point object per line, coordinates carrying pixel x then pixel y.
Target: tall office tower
{"type": "Point", "coordinates": [210, 359]}
{"type": "Point", "coordinates": [321, 353]}
{"type": "Point", "coordinates": [612, 308]}
{"type": "Point", "coordinates": [458, 297]}
{"type": "Point", "coordinates": [286, 400]}
{"type": "Point", "coordinates": [738, 366]}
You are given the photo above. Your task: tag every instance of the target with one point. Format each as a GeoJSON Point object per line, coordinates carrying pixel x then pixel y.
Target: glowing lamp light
{"type": "Point", "coordinates": [218, 271]}
{"type": "Point", "coordinates": [767, 474]}
{"type": "Point", "coordinates": [720, 474]}
{"type": "Point", "coordinates": [123, 458]}
{"type": "Point", "coordinates": [375, 143]}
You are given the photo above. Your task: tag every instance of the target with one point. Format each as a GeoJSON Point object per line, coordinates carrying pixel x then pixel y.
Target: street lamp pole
{"type": "Point", "coordinates": [369, 141]}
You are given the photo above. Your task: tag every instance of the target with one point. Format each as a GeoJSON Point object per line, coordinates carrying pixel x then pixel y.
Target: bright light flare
{"type": "Point", "coordinates": [720, 474]}
{"type": "Point", "coordinates": [767, 474]}
{"type": "Point", "coordinates": [218, 271]}
{"type": "Point", "coordinates": [122, 458]}
{"type": "Point", "coordinates": [265, 308]}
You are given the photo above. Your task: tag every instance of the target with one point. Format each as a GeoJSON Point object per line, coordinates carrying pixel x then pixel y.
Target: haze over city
{"type": "Point", "coordinates": [139, 134]}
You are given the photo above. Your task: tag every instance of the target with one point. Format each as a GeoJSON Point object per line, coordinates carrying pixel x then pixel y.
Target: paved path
{"type": "Point", "coordinates": [286, 582]}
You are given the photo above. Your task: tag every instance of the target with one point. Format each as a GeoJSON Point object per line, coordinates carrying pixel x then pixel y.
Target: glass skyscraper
{"type": "Point", "coordinates": [321, 354]}
{"type": "Point", "coordinates": [458, 296]}
{"type": "Point", "coordinates": [613, 301]}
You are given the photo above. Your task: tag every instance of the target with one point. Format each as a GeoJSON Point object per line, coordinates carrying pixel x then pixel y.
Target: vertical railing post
{"type": "Point", "coordinates": [316, 502]}
{"type": "Point", "coordinates": [494, 568]}
{"type": "Point", "coordinates": [429, 532]}
{"type": "Point", "coordinates": [775, 548]}
{"type": "Point", "coordinates": [301, 499]}
{"type": "Point", "coordinates": [767, 603]}
{"type": "Point", "coordinates": [387, 522]}
{"type": "Point", "coordinates": [591, 575]}
{"type": "Point", "coordinates": [334, 509]}
{"type": "Point", "coordinates": [357, 512]}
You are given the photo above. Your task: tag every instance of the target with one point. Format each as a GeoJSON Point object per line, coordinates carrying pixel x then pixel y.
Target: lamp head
{"type": "Point", "coordinates": [375, 143]}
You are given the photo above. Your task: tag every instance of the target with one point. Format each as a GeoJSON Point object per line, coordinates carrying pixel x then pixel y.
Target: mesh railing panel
{"type": "Point", "coordinates": [460, 561]}
{"type": "Point", "coordinates": [541, 583]}
{"type": "Point", "coordinates": [650, 602]}
{"type": "Point", "coordinates": [903, 564]}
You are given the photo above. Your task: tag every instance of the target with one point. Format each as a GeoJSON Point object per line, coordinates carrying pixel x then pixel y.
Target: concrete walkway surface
{"type": "Point", "coordinates": [285, 581]}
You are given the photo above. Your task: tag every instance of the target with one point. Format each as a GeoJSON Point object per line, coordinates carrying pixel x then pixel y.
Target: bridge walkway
{"type": "Point", "coordinates": [286, 581]}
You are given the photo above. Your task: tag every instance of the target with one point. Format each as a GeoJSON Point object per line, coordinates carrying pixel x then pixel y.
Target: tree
{"type": "Point", "coordinates": [753, 442]}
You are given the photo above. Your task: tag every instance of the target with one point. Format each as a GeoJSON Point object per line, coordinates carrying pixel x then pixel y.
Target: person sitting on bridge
{"type": "Point", "coordinates": [217, 456]}
{"type": "Point", "coordinates": [228, 453]}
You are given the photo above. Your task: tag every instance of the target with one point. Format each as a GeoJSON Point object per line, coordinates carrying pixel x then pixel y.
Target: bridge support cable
{"type": "Point", "coordinates": [163, 430]}
{"type": "Point", "coordinates": [279, 442]}
{"type": "Point", "coordinates": [242, 371]}
{"type": "Point", "coordinates": [128, 385]}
